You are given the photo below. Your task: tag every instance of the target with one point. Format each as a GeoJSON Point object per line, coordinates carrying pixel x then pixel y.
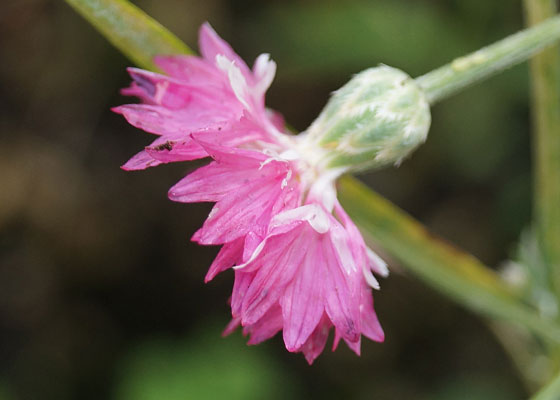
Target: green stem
{"type": "Point", "coordinates": [129, 29]}
{"type": "Point", "coordinates": [550, 392]}
{"type": "Point", "coordinates": [445, 268]}
{"type": "Point", "coordinates": [526, 353]}
{"type": "Point", "coordinates": [465, 71]}
{"type": "Point", "coordinates": [545, 80]}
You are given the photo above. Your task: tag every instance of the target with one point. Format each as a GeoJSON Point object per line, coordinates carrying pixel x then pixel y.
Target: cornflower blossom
{"type": "Point", "coordinates": [300, 264]}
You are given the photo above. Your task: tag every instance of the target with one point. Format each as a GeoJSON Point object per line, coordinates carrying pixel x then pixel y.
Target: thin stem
{"type": "Point", "coordinates": [550, 392]}
{"type": "Point", "coordinates": [465, 71]}
{"type": "Point", "coordinates": [545, 82]}
{"type": "Point", "coordinates": [129, 29]}
{"type": "Point", "coordinates": [445, 268]}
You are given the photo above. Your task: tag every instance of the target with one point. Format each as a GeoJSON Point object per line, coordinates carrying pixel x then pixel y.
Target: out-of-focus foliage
{"type": "Point", "coordinates": [473, 387]}
{"type": "Point", "coordinates": [96, 262]}
{"type": "Point", "coordinates": [4, 392]}
{"type": "Point", "coordinates": [204, 367]}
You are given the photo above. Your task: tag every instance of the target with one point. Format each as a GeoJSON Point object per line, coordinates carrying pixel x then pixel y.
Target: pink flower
{"type": "Point", "coordinates": [300, 263]}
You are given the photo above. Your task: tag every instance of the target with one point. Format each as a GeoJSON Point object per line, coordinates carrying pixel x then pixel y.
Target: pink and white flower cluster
{"type": "Point", "coordinates": [301, 266]}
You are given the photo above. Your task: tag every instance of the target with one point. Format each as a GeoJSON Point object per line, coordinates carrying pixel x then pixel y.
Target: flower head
{"type": "Point", "coordinates": [300, 264]}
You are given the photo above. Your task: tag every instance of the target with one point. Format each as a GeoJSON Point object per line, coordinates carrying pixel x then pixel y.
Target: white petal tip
{"type": "Point", "coordinates": [370, 279]}
{"type": "Point", "coordinates": [377, 264]}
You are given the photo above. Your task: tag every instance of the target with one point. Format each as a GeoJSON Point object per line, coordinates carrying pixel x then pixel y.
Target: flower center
{"type": "Point", "coordinates": [308, 161]}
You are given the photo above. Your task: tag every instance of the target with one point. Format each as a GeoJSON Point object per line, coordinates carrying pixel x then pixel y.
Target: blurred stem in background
{"type": "Point", "coordinates": [545, 90]}
{"type": "Point", "coordinates": [545, 85]}
{"type": "Point", "coordinates": [129, 29]}
{"type": "Point", "coordinates": [550, 391]}
{"type": "Point", "coordinates": [445, 268]}
{"type": "Point", "coordinates": [448, 270]}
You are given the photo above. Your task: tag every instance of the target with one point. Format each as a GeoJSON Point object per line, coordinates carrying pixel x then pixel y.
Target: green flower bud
{"type": "Point", "coordinates": [377, 118]}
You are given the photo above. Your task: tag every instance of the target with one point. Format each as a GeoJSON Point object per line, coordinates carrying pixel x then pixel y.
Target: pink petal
{"type": "Point", "coordinates": [277, 119]}
{"type": "Point", "coordinates": [231, 326]}
{"type": "Point", "coordinates": [342, 300]}
{"type": "Point", "coordinates": [365, 257]}
{"type": "Point", "coordinates": [173, 124]}
{"type": "Point", "coordinates": [252, 241]}
{"type": "Point", "coordinates": [248, 209]}
{"type": "Point", "coordinates": [355, 346]}
{"type": "Point", "coordinates": [173, 151]}
{"type": "Point", "coordinates": [136, 91]}
{"type": "Point", "coordinates": [355, 237]}
{"type": "Point", "coordinates": [211, 45]}
{"type": "Point", "coordinates": [371, 328]}
{"type": "Point", "coordinates": [191, 69]}
{"type": "Point", "coordinates": [302, 302]}
{"type": "Point", "coordinates": [248, 191]}
{"type": "Point", "coordinates": [233, 157]}
{"type": "Point", "coordinates": [316, 342]}
{"type": "Point", "coordinates": [266, 327]}
{"type": "Point", "coordinates": [208, 183]}
{"type": "Point", "coordinates": [230, 254]}
{"type": "Point", "coordinates": [241, 284]}
{"type": "Point", "coordinates": [142, 160]}
{"type": "Point", "coordinates": [216, 139]}
{"type": "Point", "coordinates": [275, 268]}
{"type": "Point", "coordinates": [313, 214]}
{"type": "Point", "coordinates": [151, 156]}
{"type": "Point", "coordinates": [175, 94]}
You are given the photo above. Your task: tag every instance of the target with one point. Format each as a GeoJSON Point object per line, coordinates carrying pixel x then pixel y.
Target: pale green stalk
{"type": "Point", "coordinates": [550, 392]}
{"type": "Point", "coordinates": [545, 85]}
{"type": "Point", "coordinates": [465, 71]}
{"type": "Point", "coordinates": [449, 270]}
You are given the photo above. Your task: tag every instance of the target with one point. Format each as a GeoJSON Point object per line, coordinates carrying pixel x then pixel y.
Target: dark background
{"type": "Point", "coordinates": [101, 292]}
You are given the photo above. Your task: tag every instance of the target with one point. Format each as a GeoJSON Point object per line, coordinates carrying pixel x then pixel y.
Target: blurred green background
{"type": "Point", "coordinates": [101, 292]}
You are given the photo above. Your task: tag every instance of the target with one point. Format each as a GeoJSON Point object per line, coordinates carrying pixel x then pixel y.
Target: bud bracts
{"type": "Point", "coordinates": [376, 119]}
